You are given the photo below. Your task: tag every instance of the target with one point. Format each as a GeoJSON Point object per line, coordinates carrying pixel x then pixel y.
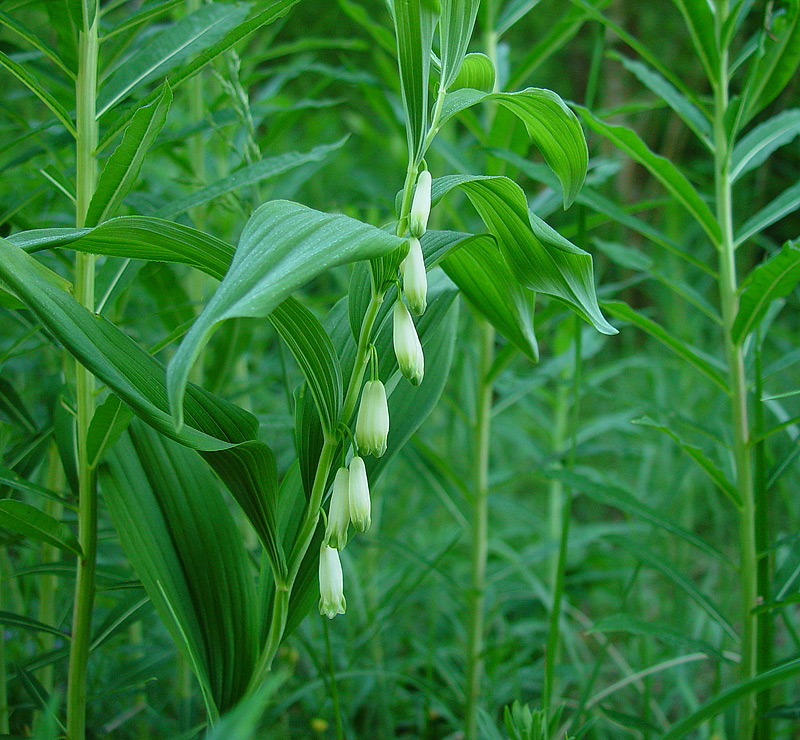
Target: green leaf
{"type": "Point", "coordinates": [28, 521]}
{"type": "Point", "coordinates": [477, 72]}
{"type": "Point", "coordinates": [223, 433]}
{"type": "Point", "coordinates": [754, 148]}
{"type": "Point", "coordinates": [787, 202]}
{"type": "Point", "coordinates": [12, 479]}
{"type": "Point", "coordinates": [36, 42]}
{"type": "Point", "coordinates": [283, 246]}
{"type": "Point", "coordinates": [272, 12]}
{"type": "Point", "coordinates": [697, 454]}
{"type": "Point", "coordinates": [122, 168]}
{"type": "Point", "coordinates": [776, 61]}
{"type": "Point", "coordinates": [699, 20]}
{"type": "Point", "coordinates": [658, 630]}
{"type": "Point", "coordinates": [414, 26]}
{"type": "Point", "coordinates": [314, 352]}
{"type": "Point", "coordinates": [728, 697]}
{"type": "Point", "coordinates": [774, 278]}
{"type": "Point", "coordinates": [696, 119]}
{"type": "Point", "coordinates": [183, 40]}
{"type": "Point", "coordinates": [481, 274]}
{"type": "Point", "coordinates": [82, 12]}
{"type": "Point", "coordinates": [110, 419]}
{"type": "Point", "coordinates": [455, 30]}
{"type": "Point", "coordinates": [550, 124]}
{"type": "Point", "coordinates": [626, 313]}
{"type": "Point", "coordinates": [250, 174]}
{"type": "Point", "coordinates": [607, 493]}
{"type": "Point", "coordinates": [33, 85]}
{"type": "Point", "coordinates": [658, 562]}
{"type": "Point", "coordinates": [537, 256]}
{"type": "Point", "coordinates": [182, 542]}
{"type": "Point", "coordinates": [661, 168]}
{"type": "Point", "coordinates": [31, 625]}
{"type": "Point", "coordinates": [137, 237]}
{"type": "Point", "coordinates": [512, 12]}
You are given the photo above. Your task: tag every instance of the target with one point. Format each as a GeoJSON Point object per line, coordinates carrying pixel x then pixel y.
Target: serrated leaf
{"type": "Point", "coordinates": [184, 39]}
{"type": "Point", "coordinates": [283, 246]}
{"type": "Point", "coordinates": [538, 257]}
{"type": "Point", "coordinates": [550, 124]}
{"type": "Point", "coordinates": [776, 277]}
{"type": "Point", "coordinates": [122, 168]}
{"type": "Point", "coordinates": [27, 520]}
{"type": "Point", "coordinates": [481, 274]}
{"type": "Point", "coordinates": [661, 168]}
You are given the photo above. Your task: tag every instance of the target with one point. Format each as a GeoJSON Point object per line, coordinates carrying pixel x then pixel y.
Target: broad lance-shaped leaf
{"type": "Point", "coordinates": [414, 24]}
{"type": "Point", "coordinates": [122, 168]}
{"type": "Point", "coordinates": [181, 540]}
{"type": "Point", "coordinates": [455, 30]}
{"type": "Point", "coordinates": [660, 167]}
{"type": "Point", "coordinates": [787, 202]}
{"type": "Point", "coordinates": [551, 125]}
{"type": "Point", "coordinates": [312, 349]}
{"type": "Point", "coordinates": [754, 148]}
{"type": "Point", "coordinates": [223, 433]}
{"type": "Point", "coordinates": [538, 257]}
{"type": "Point", "coordinates": [774, 278]}
{"type": "Point", "coordinates": [282, 247]}
{"type": "Point", "coordinates": [162, 52]}
{"type": "Point", "coordinates": [481, 274]}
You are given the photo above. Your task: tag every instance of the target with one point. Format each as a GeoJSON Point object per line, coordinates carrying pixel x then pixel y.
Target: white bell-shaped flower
{"type": "Point", "coordinates": [339, 513]}
{"type": "Point", "coordinates": [420, 205]}
{"type": "Point", "coordinates": [331, 583]}
{"type": "Point", "coordinates": [415, 280]}
{"type": "Point", "coordinates": [407, 347]}
{"type": "Point", "coordinates": [372, 424]}
{"type": "Point", "coordinates": [359, 495]}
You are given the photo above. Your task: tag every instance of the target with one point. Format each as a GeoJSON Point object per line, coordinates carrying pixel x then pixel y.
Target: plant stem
{"type": "Point", "coordinates": [337, 710]}
{"type": "Point", "coordinates": [86, 175]}
{"type": "Point", "coordinates": [479, 541]}
{"type": "Point", "coordinates": [729, 301]}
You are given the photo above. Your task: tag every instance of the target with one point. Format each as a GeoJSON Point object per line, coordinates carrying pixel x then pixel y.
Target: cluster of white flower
{"type": "Point", "coordinates": [350, 500]}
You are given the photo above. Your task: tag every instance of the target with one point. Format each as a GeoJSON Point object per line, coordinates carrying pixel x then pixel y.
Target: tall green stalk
{"type": "Point", "coordinates": [748, 560]}
{"type": "Point", "coordinates": [479, 530]}
{"type": "Point", "coordinates": [86, 177]}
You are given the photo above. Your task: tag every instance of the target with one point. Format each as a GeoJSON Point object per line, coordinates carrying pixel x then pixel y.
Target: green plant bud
{"type": "Point", "coordinates": [372, 424]}
{"type": "Point", "coordinates": [331, 583]}
{"type": "Point", "coordinates": [407, 347]}
{"type": "Point", "coordinates": [339, 512]}
{"type": "Point", "coordinates": [421, 205]}
{"type": "Point", "coordinates": [415, 280]}
{"type": "Point", "coordinates": [359, 495]}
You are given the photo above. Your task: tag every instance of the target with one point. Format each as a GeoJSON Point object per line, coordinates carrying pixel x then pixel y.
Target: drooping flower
{"type": "Point", "coordinates": [415, 281]}
{"type": "Point", "coordinates": [331, 583]}
{"type": "Point", "coordinates": [339, 513]}
{"type": "Point", "coordinates": [420, 205]}
{"type": "Point", "coordinates": [407, 347]}
{"type": "Point", "coordinates": [372, 424]}
{"type": "Point", "coordinates": [359, 495]}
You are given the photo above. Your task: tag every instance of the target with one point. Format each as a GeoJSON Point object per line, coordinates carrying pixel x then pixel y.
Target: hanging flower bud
{"type": "Point", "coordinates": [372, 424]}
{"type": "Point", "coordinates": [331, 583]}
{"type": "Point", "coordinates": [421, 205]}
{"type": "Point", "coordinates": [407, 348]}
{"type": "Point", "coordinates": [339, 513]}
{"type": "Point", "coordinates": [359, 495]}
{"type": "Point", "coordinates": [415, 281]}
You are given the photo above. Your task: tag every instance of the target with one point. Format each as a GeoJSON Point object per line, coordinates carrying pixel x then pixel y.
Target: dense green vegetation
{"type": "Point", "coordinates": [230, 231]}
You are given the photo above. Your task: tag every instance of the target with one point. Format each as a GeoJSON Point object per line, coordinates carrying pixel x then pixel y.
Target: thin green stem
{"type": "Point", "coordinates": [86, 176]}
{"type": "Point", "coordinates": [479, 538]}
{"type": "Point", "coordinates": [738, 392]}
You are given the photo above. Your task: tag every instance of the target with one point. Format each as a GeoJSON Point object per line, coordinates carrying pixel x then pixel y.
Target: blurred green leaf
{"type": "Point", "coordinates": [455, 30]}
{"type": "Point", "coordinates": [28, 521]}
